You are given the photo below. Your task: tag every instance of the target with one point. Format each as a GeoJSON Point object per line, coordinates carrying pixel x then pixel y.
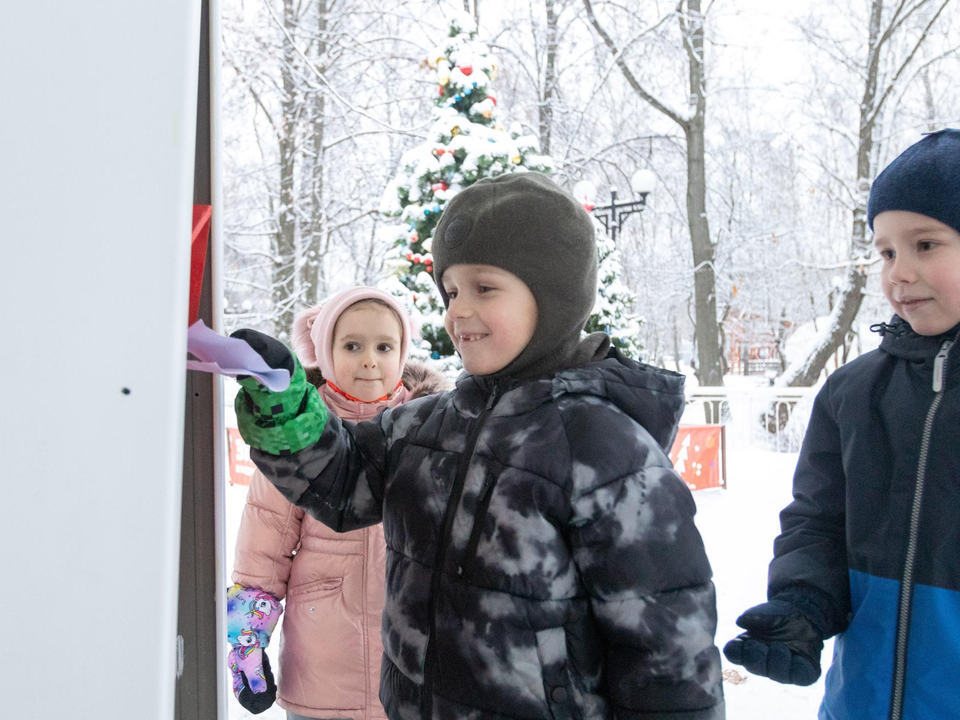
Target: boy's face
{"type": "Point", "coordinates": [366, 351]}
{"type": "Point", "coordinates": [491, 316]}
{"type": "Point", "coordinates": [921, 269]}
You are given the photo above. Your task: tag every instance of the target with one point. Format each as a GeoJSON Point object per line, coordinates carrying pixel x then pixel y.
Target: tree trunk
{"type": "Point", "coordinates": [314, 233]}
{"type": "Point", "coordinates": [549, 80]}
{"type": "Point", "coordinates": [707, 332]}
{"type": "Point", "coordinates": [285, 257]}
{"type": "Point", "coordinates": [709, 364]}
{"type": "Point", "coordinates": [850, 296]}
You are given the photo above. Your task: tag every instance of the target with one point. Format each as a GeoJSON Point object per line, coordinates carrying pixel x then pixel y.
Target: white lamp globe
{"type": "Point", "coordinates": [643, 181]}
{"type": "Point", "coordinates": [585, 192]}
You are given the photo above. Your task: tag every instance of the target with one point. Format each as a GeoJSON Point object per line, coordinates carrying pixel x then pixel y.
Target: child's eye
{"type": "Point", "coordinates": [351, 346]}
{"type": "Point", "coordinates": [384, 347]}
{"type": "Point", "coordinates": [925, 245]}
{"type": "Point", "coordinates": [451, 294]}
{"type": "Point", "coordinates": [886, 254]}
{"type": "Point", "coordinates": [484, 288]}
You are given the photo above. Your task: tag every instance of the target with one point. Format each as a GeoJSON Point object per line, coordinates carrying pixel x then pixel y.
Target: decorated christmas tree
{"type": "Point", "coordinates": [466, 142]}
{"type": "Point", "coordinates": [613, 312]}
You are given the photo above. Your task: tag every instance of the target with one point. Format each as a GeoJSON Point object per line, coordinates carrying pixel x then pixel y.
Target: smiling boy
{"type": "Point", "coordinates": [869, 546]}
{"type": "Point", "coordinates": [542, 560]}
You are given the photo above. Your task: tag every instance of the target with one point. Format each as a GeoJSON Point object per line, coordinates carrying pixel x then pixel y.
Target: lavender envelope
{"type": "Point", "coordinates": [230, 356]}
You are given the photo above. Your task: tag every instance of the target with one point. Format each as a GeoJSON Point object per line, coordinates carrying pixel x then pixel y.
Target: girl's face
{"type": "Point", "coordinates": [366, 351]}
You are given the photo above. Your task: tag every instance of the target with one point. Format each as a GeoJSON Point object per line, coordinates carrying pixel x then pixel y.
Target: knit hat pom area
{"type": "Point", "coordinates": [526, 224]}
{"type": "Point", "coordinates": [924, 178]}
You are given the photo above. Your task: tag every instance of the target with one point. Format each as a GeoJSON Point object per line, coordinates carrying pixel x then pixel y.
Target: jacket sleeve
{"type": "Point", "coordinates": [810, 556]}
{"type": "Point", "coordinates": [645, 570]}
{"type": "Point", "coordinates": [269, 533]}
{"type": "Point", "coordinates": [340, 478]}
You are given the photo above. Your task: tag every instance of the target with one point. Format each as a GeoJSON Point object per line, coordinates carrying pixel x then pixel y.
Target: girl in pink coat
{"type": "Point", "coordinates": [354, 348]}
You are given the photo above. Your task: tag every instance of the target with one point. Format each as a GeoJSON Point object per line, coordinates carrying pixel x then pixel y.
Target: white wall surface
{"type": "Point", "coordinates": [97, 123]}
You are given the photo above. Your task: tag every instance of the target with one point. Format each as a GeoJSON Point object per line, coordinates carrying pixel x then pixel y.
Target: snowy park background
{"type": "Point", "coordinates": [348, 125]}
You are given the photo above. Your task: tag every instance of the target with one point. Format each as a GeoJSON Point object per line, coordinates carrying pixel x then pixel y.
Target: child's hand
{"type": "Point", "coordinates": [253, 683]}
{"type": "Point", "coordinates": [282, 422]}
{"type": "Point", "coordinates": [780, 643]}
{"type": "Point", "coordinates": [252, 616]}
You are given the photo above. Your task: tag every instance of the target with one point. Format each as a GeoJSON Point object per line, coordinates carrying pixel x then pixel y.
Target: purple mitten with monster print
{"type": "Point", "coordinates": [252, 615]}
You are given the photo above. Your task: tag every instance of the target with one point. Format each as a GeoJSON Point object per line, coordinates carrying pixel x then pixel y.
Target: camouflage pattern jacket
{"type": "Point", "coordinates": [542, 559]}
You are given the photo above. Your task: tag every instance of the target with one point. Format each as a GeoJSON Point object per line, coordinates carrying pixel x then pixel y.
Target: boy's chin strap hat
{"type": "Point", "coordinates": [923, 179]}
{"type": "Point", "coordinates": [525, 224]}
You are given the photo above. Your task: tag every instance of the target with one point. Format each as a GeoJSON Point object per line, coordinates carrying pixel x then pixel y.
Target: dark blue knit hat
{"type": "Point", "coordinates": [924, 178]}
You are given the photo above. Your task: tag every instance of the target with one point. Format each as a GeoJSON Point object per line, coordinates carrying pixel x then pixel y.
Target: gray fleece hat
{"type": "Point", "coordinates": [526, 224]}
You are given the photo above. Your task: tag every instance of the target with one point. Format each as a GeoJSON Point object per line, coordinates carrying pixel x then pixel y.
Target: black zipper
{"type": "Point", "coordinates": [906, 582]}
{"type": "Point", "coordinates": [483, 505]}
{"type": "Point", "coordinates": [450, 513]}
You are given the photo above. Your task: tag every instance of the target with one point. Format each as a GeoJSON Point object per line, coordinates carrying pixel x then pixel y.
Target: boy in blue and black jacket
{"type": "Point", "coordinates": [870, 545]}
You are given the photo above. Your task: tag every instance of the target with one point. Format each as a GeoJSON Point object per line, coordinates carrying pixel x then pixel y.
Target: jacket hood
{"type": "Point", "coordinates": [653, 397]}
{"type": "Point", "coordinates": [900, 340]}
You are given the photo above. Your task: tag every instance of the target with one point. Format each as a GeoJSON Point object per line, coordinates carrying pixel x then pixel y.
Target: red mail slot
{"type": "Point", "coordinates": [198, 256]}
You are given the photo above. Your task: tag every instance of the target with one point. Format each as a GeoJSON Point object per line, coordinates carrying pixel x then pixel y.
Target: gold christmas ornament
{"type": "Point", "coordinates": [455, 130]}
{"type": "Point", "coordinates": [515, 159]}
{"type": "Point", "coordinates": [444, 79]}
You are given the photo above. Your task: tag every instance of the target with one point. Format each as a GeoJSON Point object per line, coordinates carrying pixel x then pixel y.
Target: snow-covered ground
{"type": "Point", "coordinates": [738, 526]}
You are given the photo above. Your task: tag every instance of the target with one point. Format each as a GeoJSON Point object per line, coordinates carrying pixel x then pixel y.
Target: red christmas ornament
{"type": "Point", "coordinates": [492, 99]}
{"type": "Point", "coordinates": [410, 256]}
{"type": "Point", "coordinates": [467, 70]}
{"type": "Point", "coordinates": [438, 186]}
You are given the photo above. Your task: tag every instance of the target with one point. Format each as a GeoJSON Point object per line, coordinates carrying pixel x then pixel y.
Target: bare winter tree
{"type": "Point", "coordinates": [316, 73]}
{"type": "Point", "coordinates": [690, 18]}
{"type": "Point", "coordinates": [896, 31]}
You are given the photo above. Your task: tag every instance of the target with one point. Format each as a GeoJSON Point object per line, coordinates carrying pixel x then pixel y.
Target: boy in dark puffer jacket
{"type": "Point", "coordinates": [869, 546]}
{"type": "Point", "coordinates": [542, 560]}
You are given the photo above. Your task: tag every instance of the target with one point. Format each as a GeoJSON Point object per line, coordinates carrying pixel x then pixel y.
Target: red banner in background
{"type": "Point", "coordinates": [699, 456]}
{"type": "Point", "coordinates": [241, 466]}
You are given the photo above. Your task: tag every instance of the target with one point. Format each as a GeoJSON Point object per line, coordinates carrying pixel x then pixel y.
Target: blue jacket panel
{"type": "Point", "coordinates": [844, 537]}
{"type": "Point", "coordinates": [858, 684]}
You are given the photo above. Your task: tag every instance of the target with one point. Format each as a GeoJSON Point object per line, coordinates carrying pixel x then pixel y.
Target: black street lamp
{"type": "Point", "coordinates": [613, 215]}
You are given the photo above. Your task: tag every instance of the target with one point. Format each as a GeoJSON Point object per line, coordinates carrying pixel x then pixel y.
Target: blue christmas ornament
{"type": "Point", "coordinates": [475, 85]}
{"type": "Point", "coordinates": [468, 92]}
{"type": "Point", "coordinates": [457, 98]}
{"type": "Point", "coordinates": [435, 355]}
{"type": "Point", "coordinates": [426, 211]}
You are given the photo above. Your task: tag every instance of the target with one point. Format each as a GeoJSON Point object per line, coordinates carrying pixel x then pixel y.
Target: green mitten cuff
{"type": "Point", "coordinates": [280, 423]}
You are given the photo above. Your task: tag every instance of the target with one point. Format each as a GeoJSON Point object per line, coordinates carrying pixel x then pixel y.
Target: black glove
{"type": "Point", "coordinates": [274, 353]}
{"type": "Point", "coordinates": [256, 703]}
{"type": "Point", "coordinates": [781, 643]}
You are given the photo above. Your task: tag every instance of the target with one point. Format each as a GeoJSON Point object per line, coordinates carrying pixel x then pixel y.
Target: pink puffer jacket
{"type": "Point", "coordinates": [332, 583]}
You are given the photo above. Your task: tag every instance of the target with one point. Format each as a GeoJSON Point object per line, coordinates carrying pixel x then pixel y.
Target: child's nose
{"type": "Point", "coordinates": [902, 271]}
{"type": "Point", "coordinates": [460, 308]}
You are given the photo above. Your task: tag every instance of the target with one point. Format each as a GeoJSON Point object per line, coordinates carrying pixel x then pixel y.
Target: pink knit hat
{"type": "Point", "coordinates": [312, 332]}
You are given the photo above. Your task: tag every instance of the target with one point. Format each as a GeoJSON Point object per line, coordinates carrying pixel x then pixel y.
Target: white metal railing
{"type": "Point", "coordinates": [771, 418]}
